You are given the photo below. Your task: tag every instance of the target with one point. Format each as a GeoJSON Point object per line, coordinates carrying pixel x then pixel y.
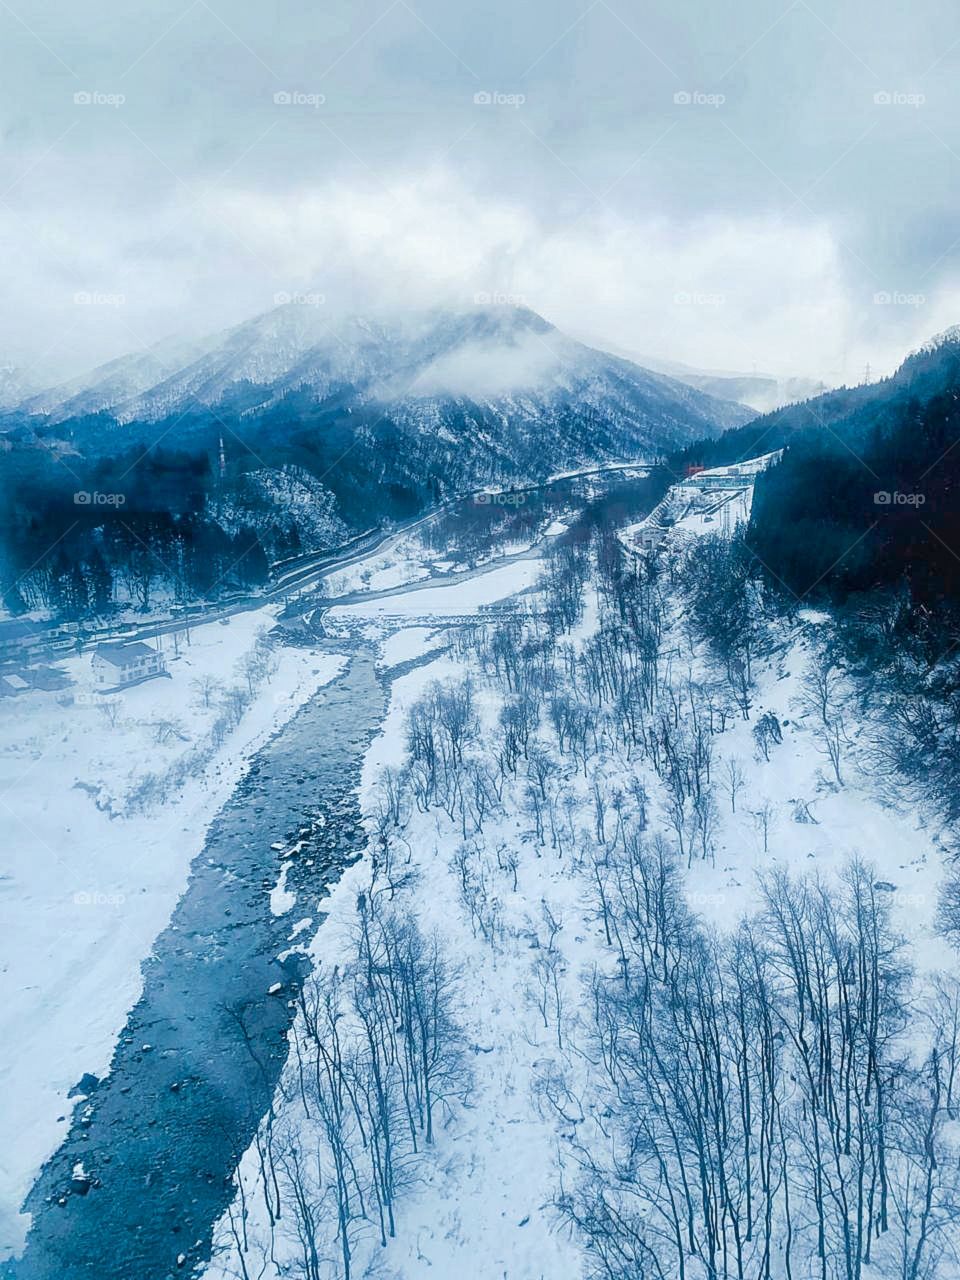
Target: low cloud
{"type": "Point", "coordinates": [713, 292]}
{"type": "Point", "coordinates": [486, 370]}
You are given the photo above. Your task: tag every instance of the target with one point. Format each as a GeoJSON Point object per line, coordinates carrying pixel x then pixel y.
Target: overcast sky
{"type": "Point", "coordinates": [751, 184]}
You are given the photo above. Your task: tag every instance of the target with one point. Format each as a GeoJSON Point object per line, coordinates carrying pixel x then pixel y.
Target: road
{"type": "Point", "coordinates": [307, 571]}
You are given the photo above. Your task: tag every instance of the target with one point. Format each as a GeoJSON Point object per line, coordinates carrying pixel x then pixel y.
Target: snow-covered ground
{"type": "Point", "coordinates": [408, 560]}
{"type": "Point", "coordinates": [403, 560]}
{"type": "Point", "coordinates": [411, 642]}
{"type": "Point", "coordinates": [487, 1192]}
{"type": "Point", "coordinates": [90, 876]}
{"type": "Point", "coordinates": [483, 1201]}
{"type": "Point", "coordinates": [445, 601]}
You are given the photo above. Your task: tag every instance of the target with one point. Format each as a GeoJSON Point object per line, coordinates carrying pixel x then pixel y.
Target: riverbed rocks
{"type": "Point", "coordinates": [86, 1085]}
{"type": "Point", "coordinates": [205, 1009]}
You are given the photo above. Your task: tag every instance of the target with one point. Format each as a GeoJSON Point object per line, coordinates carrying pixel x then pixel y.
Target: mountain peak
{"type": "Point", "coordinates": [948, 336]}
{"type": "Point", "coordinates": [490, 355]}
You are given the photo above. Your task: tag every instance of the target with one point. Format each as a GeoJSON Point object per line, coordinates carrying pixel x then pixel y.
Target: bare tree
{"type": "Point", "coordinates": [764, 820]}
{"type": "Point", "coordinates": [823, 697]}
{"type": "Point", "coordinates": [207, 689]}
{"type": "Point", "coordinates": [767, 732]}
{"type": "Point", "coordinates": [734, 780]}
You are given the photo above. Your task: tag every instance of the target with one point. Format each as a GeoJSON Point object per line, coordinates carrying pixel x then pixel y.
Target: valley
{"type": "Point", "coordinates": [176, 1114]}
{"type": "Point", "coordinates": [479, 641]}
{"type": "Point", "coordinates": [504, 846]}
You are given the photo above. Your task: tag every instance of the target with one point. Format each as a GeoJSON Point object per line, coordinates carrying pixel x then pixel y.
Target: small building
{"type": "Point", "coordinates": [650, 537]}
{"type": "Point", "coordinates": [725, 479]}
{"type": "Point", "coordinates": [122, 664]}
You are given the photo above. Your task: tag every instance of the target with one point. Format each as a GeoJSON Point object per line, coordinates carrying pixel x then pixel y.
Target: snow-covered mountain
{"type": "Point", "coordinates": [508, 361]}
{"type": "Point", "coordinates": [111, 385]}
{"type": "Point", "coordinates": [297, 427]}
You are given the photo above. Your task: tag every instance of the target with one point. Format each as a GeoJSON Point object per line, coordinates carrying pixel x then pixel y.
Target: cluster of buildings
{"type": "Point", "coordinates": [704, 495]}
{"type": "Point", "coordinates": [29, 651]}
{"type": "Point", "coordinates": [24, 645]}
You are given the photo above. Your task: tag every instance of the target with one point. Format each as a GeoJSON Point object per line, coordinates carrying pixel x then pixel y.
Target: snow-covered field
{"type": "Point", "coordinates": [447, 601]}
{"type": "Point", "coordinates": [408, 560]}
{"type": "Point", "coordinates": [90, 876]}
{"type": "Point", "coordinates": [411, 642]}
{"type": "Point", "coordinates": [402, 561]}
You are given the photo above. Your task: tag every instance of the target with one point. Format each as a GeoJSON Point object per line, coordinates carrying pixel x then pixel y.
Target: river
{"type": "Point", "coordinates": [146, 1169]}
{"type": "Point", "coordinates": [196, 1065]}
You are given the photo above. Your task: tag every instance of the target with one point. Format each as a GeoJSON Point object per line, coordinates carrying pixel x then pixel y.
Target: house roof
{"type": "Point", "coordinates": [122, 655]}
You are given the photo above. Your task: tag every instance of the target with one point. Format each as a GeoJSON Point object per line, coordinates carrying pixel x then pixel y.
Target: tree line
{"type": "Point", "coordinates": [377, 1064]}
{"type": "Point", "coordinates": [772, 1102]}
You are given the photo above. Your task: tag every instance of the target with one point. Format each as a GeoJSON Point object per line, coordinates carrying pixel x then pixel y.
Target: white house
{"type": "Point", "coordinates": [120, 664]}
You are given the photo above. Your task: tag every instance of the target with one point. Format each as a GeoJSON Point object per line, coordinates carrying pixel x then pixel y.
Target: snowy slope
{"type": "Point", "coordinates": [483, 1201]}
{"type": "Point", "coordinates": [493, 356]}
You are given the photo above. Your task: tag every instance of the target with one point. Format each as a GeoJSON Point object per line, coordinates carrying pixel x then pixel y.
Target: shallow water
{"type": "Point", "coordinates": [161, 1135]}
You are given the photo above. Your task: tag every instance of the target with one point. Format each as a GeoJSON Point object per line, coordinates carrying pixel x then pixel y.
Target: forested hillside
{"type": "Point", "coordinates": [281, 436]}
{"type": "Point", "coordinates": [865, 496]}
